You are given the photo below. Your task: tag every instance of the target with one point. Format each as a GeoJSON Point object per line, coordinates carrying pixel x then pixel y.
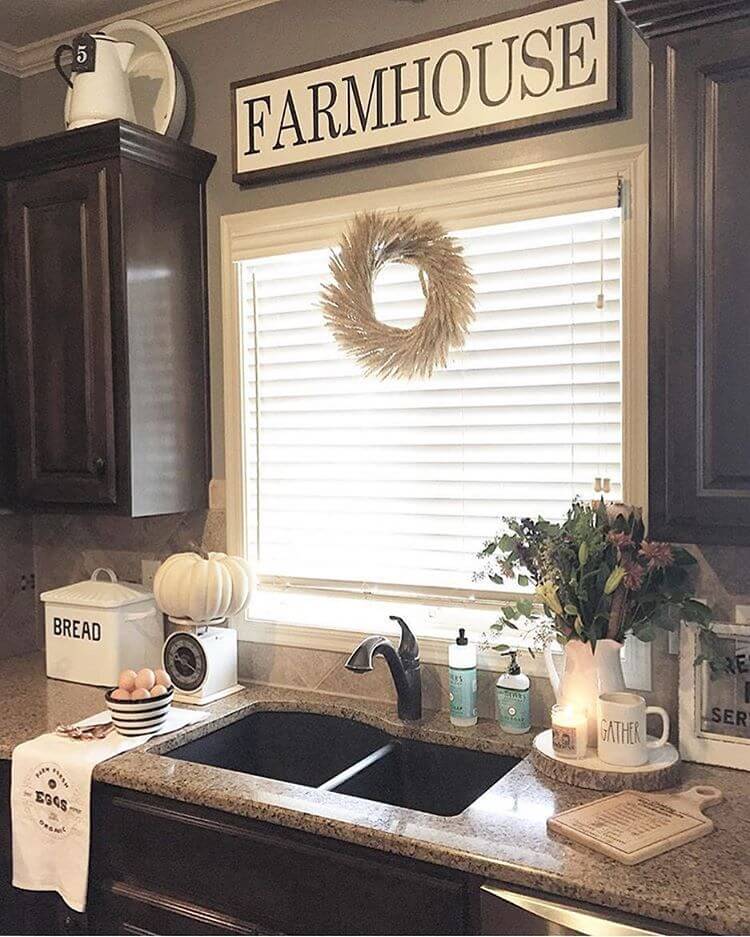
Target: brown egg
{"type": "Point", "coordinates": [127, 680]}
{"type": "Point", "coordinates": [159, 690]}
{"type": "Point", "coordinates": [162, 677]}
{"type": "Point", "coordinates": [140, 693]}
{"type": "Point", "coordinates": [145, 679]}
{"type": "Point", "coordinates": [120, 694]}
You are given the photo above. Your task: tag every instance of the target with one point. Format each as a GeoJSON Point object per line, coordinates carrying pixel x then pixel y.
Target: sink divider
{"type": "Point", "coordinates": [355, 769]}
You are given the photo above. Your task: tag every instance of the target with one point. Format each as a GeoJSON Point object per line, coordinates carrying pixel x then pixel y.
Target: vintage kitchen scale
{"type": "Point", "coordinates": [198, 593]}
{"type": "Point", "coordinates": [201, 661]}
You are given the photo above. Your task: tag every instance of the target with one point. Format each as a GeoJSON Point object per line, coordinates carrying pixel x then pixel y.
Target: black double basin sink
{"type": "Point", "coordinates": [342, 755]}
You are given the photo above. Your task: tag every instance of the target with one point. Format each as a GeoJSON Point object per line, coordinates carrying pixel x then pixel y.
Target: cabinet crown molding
{"type": "Point", "coordinates": [110, 140]}
{"type": "Point", "coordinates": [661, 17]}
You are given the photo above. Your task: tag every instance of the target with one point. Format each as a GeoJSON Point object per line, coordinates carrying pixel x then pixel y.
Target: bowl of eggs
{"type": "Point", "coordinates": [140, 702]}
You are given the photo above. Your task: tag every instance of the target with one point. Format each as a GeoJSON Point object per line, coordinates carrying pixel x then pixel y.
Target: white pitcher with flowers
{"type": "Point", "coordinates": [597, 579]}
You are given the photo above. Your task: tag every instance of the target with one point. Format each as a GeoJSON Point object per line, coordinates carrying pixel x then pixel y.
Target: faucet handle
{"type": "Point", "coordinates": [408, 648]}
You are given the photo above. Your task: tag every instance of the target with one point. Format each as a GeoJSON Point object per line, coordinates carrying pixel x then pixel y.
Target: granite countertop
{"type": "Point", "coordinates": [502, 836]}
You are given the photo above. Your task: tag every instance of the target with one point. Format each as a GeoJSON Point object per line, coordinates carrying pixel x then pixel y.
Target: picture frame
{"type": "Point", "coordinates": [715, 714]}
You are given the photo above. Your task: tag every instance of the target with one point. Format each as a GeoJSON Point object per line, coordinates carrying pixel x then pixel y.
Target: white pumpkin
{"type": "Point", "coordinates": [203, 588]}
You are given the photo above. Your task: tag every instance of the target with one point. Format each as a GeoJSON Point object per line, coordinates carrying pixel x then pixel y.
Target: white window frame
{"type": "Point", "coordinates": [575, 184]}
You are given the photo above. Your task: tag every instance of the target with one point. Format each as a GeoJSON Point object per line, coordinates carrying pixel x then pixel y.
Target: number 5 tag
{"type": "Point", "coordinates": [84, 53]}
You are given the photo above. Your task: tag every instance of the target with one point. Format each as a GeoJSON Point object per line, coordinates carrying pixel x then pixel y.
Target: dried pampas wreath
{"type": "Point", "coordinates": [373, 240]}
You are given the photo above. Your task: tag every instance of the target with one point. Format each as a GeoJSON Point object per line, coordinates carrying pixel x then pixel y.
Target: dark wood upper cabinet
{"type": "Point", "coordinates": [105, 321]}
{"type": "Point", "coordinates": [699, 389]}
{"type": "Point", "coordinates": [664, 17]}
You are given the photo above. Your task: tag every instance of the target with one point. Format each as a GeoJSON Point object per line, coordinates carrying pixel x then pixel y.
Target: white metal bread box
{"type": "Point", "coordinates": [97, 628]}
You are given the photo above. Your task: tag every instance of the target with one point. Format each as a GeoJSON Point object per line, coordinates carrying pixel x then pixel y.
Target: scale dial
{"type": "Point", "coordinates": [185, 661]}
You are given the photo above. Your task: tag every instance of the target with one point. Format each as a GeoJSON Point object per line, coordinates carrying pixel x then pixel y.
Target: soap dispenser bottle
{"type": "Point", "coordinates": [512, 703]}
{"type": "Point", "coordinates": [462, 678]}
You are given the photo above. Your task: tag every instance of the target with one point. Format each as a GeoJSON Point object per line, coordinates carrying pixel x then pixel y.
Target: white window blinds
{"type": "Point", "coordinates": [350, 479]}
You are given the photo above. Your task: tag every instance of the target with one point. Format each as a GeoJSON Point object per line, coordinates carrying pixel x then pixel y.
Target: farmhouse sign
{"type": "Point", "coordinates": [552, 64]}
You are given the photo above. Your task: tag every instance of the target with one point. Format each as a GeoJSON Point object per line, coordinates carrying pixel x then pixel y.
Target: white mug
{"type": "Point", "coordinates": [621, 729]}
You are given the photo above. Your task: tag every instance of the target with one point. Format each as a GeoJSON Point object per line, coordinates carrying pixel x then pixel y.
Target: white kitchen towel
{"type": "Point", "coordinates": [50, 799]}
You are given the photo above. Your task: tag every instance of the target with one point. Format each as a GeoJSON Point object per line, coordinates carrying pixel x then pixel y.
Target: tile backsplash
{"type": "Point", "coordinates": [60, 549]}
{"type": "Point", "coordinates": [18, 633]}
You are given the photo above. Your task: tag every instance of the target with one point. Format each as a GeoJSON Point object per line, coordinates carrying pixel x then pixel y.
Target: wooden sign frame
{"type": "Point", "coordinates": [698, 743]}
{"type": "Point", "coordinates": [469, 136]}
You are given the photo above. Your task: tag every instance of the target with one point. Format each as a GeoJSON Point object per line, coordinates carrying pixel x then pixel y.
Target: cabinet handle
{"type": "Point", "coordinates": [99, 466]}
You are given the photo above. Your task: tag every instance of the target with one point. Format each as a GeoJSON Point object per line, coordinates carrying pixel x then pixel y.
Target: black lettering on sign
{"type": "Point", "coordinates": [437, 89]}
{"type": "Point", "coordinates": [577, 53]}
{"type": "Point", "coordinates": [292, 123]}
{"type": "Point", "coordinates": [353, 95]}
{"type": "Point", "coordinates": [320, 110]}
{"type": "Point", "coordinates": [419, 89]}
{"type": "Point", "coordinates": [484, 94]}
{"type": "Point", "coordinates": [537, 61]}
{"type": "Point", "coordinates": [256, 122]}
{"type": "Point", "coordinates": [56, 626]}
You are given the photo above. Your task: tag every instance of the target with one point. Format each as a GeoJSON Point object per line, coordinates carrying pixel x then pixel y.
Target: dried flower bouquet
{"type": "Point", "coordinates": [597, 576]}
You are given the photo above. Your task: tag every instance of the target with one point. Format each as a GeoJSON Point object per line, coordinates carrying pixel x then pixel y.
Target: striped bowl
{"type": "Point", "coordinates": [138, 716]}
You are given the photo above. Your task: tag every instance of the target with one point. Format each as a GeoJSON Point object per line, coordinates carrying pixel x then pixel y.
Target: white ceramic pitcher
{"type": "Point", "coordinates": [101, 94]}
{"type": "Point", "coordinates": [585, 675]}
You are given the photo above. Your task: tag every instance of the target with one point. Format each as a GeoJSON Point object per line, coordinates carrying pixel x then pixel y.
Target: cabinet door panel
{"type": "Point", "coordinates": [59, 336]}
{"type": "Point", "coordinates": [700, 281]}
{"type": "Point", "coordinates": [223, 870]}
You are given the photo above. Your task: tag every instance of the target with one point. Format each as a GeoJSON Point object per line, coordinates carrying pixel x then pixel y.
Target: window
{"type": "Point", "coordinates": [360, 481]}
{"type": "Point", "coordinates": [344, 485]}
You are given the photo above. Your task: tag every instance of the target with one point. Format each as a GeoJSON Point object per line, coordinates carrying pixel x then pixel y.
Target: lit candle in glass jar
{"type": "Point", "coordinates": [569, 731]}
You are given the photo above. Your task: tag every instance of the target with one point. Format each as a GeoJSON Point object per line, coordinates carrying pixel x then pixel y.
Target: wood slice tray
{"type": "Point", "coordinates": [661, 771]}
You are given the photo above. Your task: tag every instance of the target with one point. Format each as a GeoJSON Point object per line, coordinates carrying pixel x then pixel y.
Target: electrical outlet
{"type": "Point", "coordinates": [742, 614]}
{"type": "Point", "coordinates": [148, 571]}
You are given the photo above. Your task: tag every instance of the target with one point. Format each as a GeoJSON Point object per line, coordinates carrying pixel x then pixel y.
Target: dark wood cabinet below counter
{"type": "Point", "coordinates": [104, 297]}
{"type": "Point", "coordinates": [216, 873]}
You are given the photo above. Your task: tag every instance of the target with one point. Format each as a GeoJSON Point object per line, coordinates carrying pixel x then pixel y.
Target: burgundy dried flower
{"type": "Point", "coordinates": [658, 555]}
{"type": "Point", "coordinates": [621, 540]}
{"type": "Point", "coordinates": [633, 576]}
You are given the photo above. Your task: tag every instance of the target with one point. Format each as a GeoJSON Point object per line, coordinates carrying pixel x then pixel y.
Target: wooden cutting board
{"type": "Point", "coordinates": [633, 826]}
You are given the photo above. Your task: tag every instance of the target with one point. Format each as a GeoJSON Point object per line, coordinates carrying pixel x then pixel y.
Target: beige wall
{"type": "Point", "coordinates": [10, 109]}
{"type": "Point", "coordinates": [282, 35]}
{"type": "Point", "coordinates": [294, 32]}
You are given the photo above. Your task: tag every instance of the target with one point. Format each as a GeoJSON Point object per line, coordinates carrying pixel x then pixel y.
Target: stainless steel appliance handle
{"type": "Point", "coordinates": [580, 922]}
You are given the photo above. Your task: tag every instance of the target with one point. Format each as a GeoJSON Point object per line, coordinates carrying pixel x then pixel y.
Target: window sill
{"type": "Point", "coordinates": [325, 624]}
{"type": "Point", "coordinates": [433, 648]}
